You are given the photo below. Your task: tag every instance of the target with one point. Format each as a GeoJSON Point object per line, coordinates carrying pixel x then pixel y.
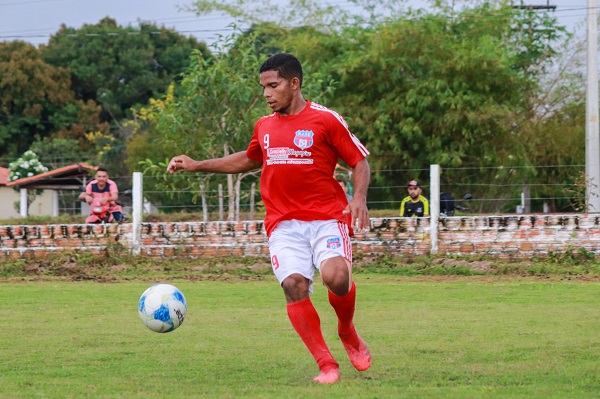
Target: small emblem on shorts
{"type": "Point", "coordinates": [333, 243]}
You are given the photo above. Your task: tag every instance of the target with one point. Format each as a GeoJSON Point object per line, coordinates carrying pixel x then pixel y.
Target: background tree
{"type": "Point", "coordinates": [58, 152]}
{"type": "Point", "coordinates": [75, 138]}
{"type": "Point", "coordinates": [120, 67]}
{"type": "Point", "coordinates": [476, 87]}
{"type": "Point", "coordinates": [219, 101]}
{"type": "Point", "coordinates": [32, 95]}
{"type": "Point", "coordinates": [214, 113]}
{"type": "Point", "coordinates": [554, 134]}
{"type": "Point", "coordinates": [38, 106]}
{"type": "Point", "coordinates": [448, 86]}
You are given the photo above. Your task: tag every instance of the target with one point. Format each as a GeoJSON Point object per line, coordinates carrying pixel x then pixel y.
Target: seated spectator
{"type": "Point", "coordinates": [104, 189]}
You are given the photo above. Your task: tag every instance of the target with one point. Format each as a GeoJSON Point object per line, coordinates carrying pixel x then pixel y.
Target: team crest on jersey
{"type": "Point", "coordinates": [304, 139]}
{"type": "Point", "coordinates": [333, 243]}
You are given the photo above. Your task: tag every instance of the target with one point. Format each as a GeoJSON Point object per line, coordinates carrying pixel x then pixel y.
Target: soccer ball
{"type": "Point", "coordinates": [162, 308]}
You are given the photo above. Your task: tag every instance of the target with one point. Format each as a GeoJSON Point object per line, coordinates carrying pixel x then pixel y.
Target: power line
{"type": "Point", "coordinates": [10, 35]}
{"type": "Point", "coordinates": [20, 3]}
{"type": "Point", "coordinates": [114, 33]}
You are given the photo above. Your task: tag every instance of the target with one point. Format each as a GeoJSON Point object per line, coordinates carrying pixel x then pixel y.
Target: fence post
{"type": "Point", "coordinates": [137, 201]}
{"type": "Point", "coordinates": [220, 201]}
{"type": "Point", "coordinates": [55, 203]}
{"type": "Point", "coordinates": [252, 194]}
{"type": "Point", "coordinates": [23, 203]}
{"type": "Point", "coordinates": [434, 205]}
{"type": "Point", "coordinates": [204, 202]}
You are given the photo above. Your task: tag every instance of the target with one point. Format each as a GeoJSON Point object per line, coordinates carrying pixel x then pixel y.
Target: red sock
{"type": "Point", "coordinates": [306, 322]}
{"type": "Point", "coordinates": [344, 309]}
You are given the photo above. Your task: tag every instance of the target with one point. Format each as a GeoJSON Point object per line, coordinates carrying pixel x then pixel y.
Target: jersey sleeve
{"type": "Point", "coordinates": [254, 150]}
{"type": "Point", "coordinates": [425, 206]}
{"type": "Point", "coordinates": [349, 147]}
{"type": "Point", "coordinates": [113, 187]}
{"type": "Point", "coordinates": [402, 210]}
{"type": "Point", "coordinates": [88, 188]}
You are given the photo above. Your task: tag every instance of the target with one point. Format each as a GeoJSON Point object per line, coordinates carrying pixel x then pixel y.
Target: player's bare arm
{"type": "Point", "coordinates": [361, 177]}
{"type": "Point", "coordinates": [234, 163]}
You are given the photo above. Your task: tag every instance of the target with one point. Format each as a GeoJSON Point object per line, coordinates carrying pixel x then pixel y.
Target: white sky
{"type": "Point", "coordinates": [35, 20]}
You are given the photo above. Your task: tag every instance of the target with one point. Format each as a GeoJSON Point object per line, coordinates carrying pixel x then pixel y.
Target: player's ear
{"type": "Point", "coordinates": [295, 83]}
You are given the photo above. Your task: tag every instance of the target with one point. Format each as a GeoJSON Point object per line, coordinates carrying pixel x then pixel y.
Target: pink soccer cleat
{"type": "Point", "coordinates": [328, 377]}
{"type": "Point", "coordinates": [361, 357]}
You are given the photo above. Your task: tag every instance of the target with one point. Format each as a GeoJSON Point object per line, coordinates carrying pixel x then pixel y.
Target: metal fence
{"type": "Point", "coordinates": [498, 190]}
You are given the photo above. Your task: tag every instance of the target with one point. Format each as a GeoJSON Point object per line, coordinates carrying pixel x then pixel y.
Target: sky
{"type": "Point", "coordinates": [35, 20]}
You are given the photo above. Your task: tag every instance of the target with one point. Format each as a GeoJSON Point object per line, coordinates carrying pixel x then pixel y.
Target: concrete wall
{"type": "Point", "coordinates": [41, 205]}
{"type": "Point", "coordinates": [505, 237]}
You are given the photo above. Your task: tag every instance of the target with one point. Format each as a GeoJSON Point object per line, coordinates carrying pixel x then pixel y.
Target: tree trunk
{"type": "Point", "coordinates": [230, 191]}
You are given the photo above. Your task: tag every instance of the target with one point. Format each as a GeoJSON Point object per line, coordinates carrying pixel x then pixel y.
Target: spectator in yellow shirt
{"type": "Point", "coordinates": [414, 205]}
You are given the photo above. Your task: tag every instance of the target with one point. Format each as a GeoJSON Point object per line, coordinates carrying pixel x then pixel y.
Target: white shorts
{"type": "Point", "coordinates": [298, 246]}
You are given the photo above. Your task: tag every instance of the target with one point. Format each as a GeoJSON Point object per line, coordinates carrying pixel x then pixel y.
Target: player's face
{"type": "Point", "coordinates": [101, 177]}
{"type": "Point", "coordinates": [414, 192]}
{"type": "Point", "coordinates": [277, 91]}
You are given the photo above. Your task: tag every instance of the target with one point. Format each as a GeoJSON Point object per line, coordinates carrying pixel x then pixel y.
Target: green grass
{"type": "Point", "coordinates": [431, 337]}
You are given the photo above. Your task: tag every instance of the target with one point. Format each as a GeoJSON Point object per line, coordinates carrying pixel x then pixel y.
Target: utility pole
{"type": "Point", "coordinates": [592, 139]}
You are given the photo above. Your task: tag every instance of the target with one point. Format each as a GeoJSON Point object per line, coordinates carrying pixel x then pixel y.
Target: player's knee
{"type": "Point", "coordinates": [336, 276]}
{"type": "Point", "coordinates": [295, 287]}
{"type": "Point", "coordinates": [339, 286]}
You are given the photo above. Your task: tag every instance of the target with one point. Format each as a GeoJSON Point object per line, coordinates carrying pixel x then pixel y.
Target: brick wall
{"type": "Point", "coordinates": [522, 236]}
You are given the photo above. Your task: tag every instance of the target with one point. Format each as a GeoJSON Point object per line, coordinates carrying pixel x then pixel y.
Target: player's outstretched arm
{"type": "Point", "coordinates": [361, 177]}
{"type": "Point", "coordinates": [234, 163]}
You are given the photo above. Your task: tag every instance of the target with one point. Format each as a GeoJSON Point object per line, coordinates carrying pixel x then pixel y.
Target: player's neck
{"type": "Point", "coordinates": [296, 106]}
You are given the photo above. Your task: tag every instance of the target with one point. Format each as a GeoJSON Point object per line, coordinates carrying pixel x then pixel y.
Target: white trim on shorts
{"type": "Point", "coordinates": [300, 247]}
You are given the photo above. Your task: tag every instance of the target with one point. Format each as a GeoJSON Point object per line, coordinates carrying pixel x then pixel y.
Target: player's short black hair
{"type": "Point", "coordinates": [102, 169]}
{"type": "Point", "coordinates": [286, 65]}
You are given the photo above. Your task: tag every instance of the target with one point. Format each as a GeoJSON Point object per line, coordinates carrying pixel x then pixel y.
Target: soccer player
{"type": "Point", "coordinates": [308, 218]}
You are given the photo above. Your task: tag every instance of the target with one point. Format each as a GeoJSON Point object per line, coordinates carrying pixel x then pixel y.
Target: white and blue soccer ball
{"type": "Point", "coordinates": [162, 308]}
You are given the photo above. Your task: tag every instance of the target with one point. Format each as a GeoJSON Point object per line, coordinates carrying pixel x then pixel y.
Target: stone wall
{"type": "Point", "coordinates": [515, 236]}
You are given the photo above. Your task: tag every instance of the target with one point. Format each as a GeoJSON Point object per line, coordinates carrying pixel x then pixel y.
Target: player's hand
{"type": "Point", "coordinates": [360, 214]}
{"type": "Point", "coordinates": [180, 162]}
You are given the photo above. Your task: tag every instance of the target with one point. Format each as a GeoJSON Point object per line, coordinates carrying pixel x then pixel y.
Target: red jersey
{"type": "Point", "coordinates": [298, 155]}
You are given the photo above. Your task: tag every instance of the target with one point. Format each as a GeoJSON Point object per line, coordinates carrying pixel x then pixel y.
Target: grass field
{"type": "Point", "coordinates": [431, 337]}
